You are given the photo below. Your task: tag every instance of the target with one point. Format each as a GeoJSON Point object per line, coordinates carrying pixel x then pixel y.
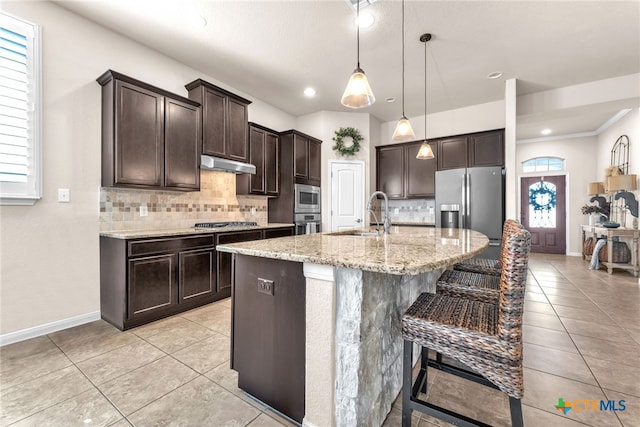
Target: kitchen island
{"type": "Point", "coordinates": [345, 323]}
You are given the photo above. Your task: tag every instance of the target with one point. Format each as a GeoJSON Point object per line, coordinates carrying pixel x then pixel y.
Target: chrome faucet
{"type": "Point", "coordinates": [386, 221]}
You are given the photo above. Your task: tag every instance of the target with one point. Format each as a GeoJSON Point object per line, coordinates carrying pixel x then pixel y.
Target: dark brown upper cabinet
{"type": "Point", "coordinates": [477, 149]}
{"type": "Point", "coordinates": [224, 121]}
{"type": "Point", "coordinates": [307, 156]}
{"type": "Point", "coordinates": [264, 153]}
{"type": "Point", "coordinates": [150, 137]}
{"type": "Point", "coordinates": [400, 175]}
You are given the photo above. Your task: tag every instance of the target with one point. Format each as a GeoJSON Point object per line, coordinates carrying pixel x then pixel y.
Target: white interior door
{"type": "Point", "coordinates": [347, 195]}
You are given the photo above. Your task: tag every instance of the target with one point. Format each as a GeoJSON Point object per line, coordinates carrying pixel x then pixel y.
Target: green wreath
{"type": "Point", "coordinates": [355, 136]}
{"type": "Point", "coordinates": [542, 204]}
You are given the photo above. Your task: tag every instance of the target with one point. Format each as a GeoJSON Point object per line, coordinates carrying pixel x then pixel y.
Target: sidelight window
{"type": "Point", "coordinates": [20, 149]}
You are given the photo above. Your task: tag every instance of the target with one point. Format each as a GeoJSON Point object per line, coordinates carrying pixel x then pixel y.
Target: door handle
{"type": "Point", "coordinates": [358, 220]}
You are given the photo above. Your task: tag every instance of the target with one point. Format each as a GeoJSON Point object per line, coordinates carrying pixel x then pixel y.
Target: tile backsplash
{"type": "Point", "coordinates": [410, 210]}
{"type": "Point", "coordinates": [216, 201]}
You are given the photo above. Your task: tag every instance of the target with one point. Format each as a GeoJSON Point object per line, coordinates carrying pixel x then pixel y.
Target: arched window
{"type": "Point", "coordinates": [543, 164]}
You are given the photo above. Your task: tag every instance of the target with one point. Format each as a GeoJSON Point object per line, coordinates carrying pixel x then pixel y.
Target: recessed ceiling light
{"type": "Point", "coordinates": [390, 99]}
{"type": "Point", "coordinates": [309, 92]}
{"type": "Point", "coordinates": [366, 20]}
{"type": "Point", "coordinates": [545, 131]}
{"type": "Point", "coordinates": [494, 75]}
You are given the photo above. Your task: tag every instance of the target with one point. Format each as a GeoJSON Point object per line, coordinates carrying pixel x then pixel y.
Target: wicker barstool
{"type": "Point", "coordinates": [487, 338]}
{"type": "Point", "coordinates": [488, 266]}
{"type": "Point", "coordinates": [479, 286]}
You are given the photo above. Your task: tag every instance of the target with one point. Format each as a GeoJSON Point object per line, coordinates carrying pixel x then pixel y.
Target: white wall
{"type": "Point", "coordinates": [49, 252]}
{"type": "Point", "coordinates": [475, 118]}
{"type": "Point", "coordinates": [581, 162]}
{"type": "Point", "coordinates": [323, 125]}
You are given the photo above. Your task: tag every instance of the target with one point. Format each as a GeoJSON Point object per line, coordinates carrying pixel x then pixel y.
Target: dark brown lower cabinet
{"type": "Point", "coordinates": [142, 280]}
{"type": "Point", "coordinates": [268, 332]}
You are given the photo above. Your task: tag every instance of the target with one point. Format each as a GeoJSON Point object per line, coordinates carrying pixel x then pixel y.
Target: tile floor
{"type": "Point", "coordinates": [581, 333]}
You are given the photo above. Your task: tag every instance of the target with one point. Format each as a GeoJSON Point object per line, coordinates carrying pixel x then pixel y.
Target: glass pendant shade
{"type": "Point", "coordinates": [358, 93]}
{"type": "Point", "coordinates": [425, 152]}
{"type": "Point", "coordinates": [404, 131]}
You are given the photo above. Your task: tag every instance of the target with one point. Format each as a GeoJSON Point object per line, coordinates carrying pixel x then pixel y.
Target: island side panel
{"type": "Point", "coordinates": [269, 332]}
{"type": "Point", "coordinates": [369, 308]}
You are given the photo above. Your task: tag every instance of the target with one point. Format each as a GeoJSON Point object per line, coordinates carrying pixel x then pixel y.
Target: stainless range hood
{"type": "Point", "coordinates": [218, 164]}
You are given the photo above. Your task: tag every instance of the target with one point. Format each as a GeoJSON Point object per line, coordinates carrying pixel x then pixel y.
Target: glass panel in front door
{"type": "Point", "coordinates": [542, 205]}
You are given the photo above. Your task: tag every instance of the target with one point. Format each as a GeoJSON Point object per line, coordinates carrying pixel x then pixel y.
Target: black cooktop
{"type": "Point", "coordinates": [225, 224]}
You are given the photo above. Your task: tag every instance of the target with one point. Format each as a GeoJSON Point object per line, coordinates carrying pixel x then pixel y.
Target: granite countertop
{"type": "Point", "coordinates": [168, 232]}
{"type": "Point", "coordinates": [409, 223]}
{"type": "Point", "coordinates": [405, 250]}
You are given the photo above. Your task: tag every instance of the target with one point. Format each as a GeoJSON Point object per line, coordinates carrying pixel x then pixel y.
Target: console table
{"type": "Point", "coordinates": [609, 233]}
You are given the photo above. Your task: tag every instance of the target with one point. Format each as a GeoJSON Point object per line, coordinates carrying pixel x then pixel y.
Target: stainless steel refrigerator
{"type": "Point", "coordinates": [472, 198]}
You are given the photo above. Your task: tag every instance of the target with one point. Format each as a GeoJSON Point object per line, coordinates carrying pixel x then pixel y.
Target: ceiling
{"type": "Point", "coordinates": [274, 49]}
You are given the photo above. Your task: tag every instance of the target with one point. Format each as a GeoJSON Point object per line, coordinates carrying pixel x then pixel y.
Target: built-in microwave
{"type": "Point", "coordinates": [307, 199]}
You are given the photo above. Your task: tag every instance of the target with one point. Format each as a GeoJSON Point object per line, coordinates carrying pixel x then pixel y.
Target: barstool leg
{"type": "Point", "coordinates": [515, 405]}
{"type": "Point", "coordinates": [407, 381]}
{"type": "Point", "coordinates": [424, 359]}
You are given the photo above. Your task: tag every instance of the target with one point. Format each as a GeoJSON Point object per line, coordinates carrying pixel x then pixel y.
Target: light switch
{"type": "Point", "coordinates": [64, 195]}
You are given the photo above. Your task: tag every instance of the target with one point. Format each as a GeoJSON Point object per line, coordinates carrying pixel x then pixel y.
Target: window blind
{"type": "Point", "coordinates": [19, 99]}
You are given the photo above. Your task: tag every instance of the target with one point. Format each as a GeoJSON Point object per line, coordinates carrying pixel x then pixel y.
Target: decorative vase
{"type": "Point", "coordinates": [594, 219]}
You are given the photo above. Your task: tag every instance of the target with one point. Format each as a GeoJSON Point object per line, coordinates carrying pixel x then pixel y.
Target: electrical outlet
{"type": "Point", "coordinates": [396, 211]}
{"type": "Point", "coordinates": [64, 195]}
{"type": "Point", "coordinates": [144, 210]}
{"type": "Point", "coordinates": [265, 286]}
{"type": "Point", "coordinates": [253, 211]}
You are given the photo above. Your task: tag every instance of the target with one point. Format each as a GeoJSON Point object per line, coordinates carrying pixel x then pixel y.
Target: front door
{"type": "Point", "coordinates": [347, 195]}
{"type": "Point", "coordinates": [543, 212]}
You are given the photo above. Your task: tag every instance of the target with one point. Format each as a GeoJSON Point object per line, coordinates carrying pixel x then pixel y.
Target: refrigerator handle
{"type": "Point", "coordinates": [467, 193]}
{"type": "Point", "coordinates": [463, 211]}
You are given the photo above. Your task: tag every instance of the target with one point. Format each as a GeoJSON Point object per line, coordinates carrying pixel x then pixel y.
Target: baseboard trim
{"type": "Point", "coordinates": [574, 253]}
{"type": "Point", "coordinates": [48, 328]}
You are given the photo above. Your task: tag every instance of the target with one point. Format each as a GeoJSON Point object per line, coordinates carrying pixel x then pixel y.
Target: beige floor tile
{"type": "Point", "coordinates": [542, 391]}
{"type": "Point", "coordinates": [536, 297]}
{"type": "Point", "coordinates": [227, 378]}
{"type": "Point", "coordinates": [138, 388]}
{"type": "Point", "coordinates": [218, 320]}
{"type": "Point", "coordinates": [206, 354]}
{"type": "Point", "coordinates": [394, 419]}
{"type": "Point", "coordinates": [200, 402]}
{"type": "Point", "coordinates": [88, 408]}
{"type": "Point", "coordinates": [534, 417]}
{"type": "Point", "coordinates": [153, 328]}
{"type": "Point", "coordinates": [539, 307]}
{"type": "Point", "coordinates": [542, 320]}
{"type": "Point", "coordinates": [120, 361]}
{"type": "Point", "coordinates": [597, 330]}
{"type": "Point", "coordinates": [87, 348]}
{"type": "Point", "coordinates": [557, 362]}
{"type": "Point", "coordinates": [28, 398]}
{"type": "Point", "coordinates": [608, 350]}
{"type": "Point", "coordinates": [179, 335]}
{"type": "Point", "coordinates": [471, 399]}
{"type": "Point", "coordinates": [27, 360]}
{"type": "Point", "coordinates": [279, 418]}
{"type": "Point", "coordinates": [91, 330]}
{"type": "Point", "coordinates": [562, 292]}
{"type": "Point", "coordinates": [559, 340]}
{"type": "Point", "coordinates": [630, 416]}
{"type": "Point", "coordinates": [577, 300]}
{"type": "Point", "coordinates": [264, 420]}
{"type": "Point", "coordinates": [592, 314]}
{"type": "Point", "coordinates": [122, 423]}
{"type": "Point", "coordinates": [616, 376]}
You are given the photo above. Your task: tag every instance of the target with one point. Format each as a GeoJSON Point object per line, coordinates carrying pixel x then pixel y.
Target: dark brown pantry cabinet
{"type": "Point", "coordinates": [400, 175]}
{"type": "Point", "coordinates": [264, 154]}
{"type": "Point", "coordinates": [150, 137]}
{"type": "Point", "coordinates": [224, 121]}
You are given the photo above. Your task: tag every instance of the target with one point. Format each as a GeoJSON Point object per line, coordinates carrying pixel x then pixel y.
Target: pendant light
{"type": "Point", "coordinates": [425, 151]}
{"type": "Point", "coordinates": [404, 131]}
{"type": "Point", "coordinates": [358, 93]}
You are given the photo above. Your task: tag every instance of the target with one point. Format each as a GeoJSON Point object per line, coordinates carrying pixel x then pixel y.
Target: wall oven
{"type": "Point", "coordinates": [307, 199]}
{"type": "Point", "coordinates": [308, 223]}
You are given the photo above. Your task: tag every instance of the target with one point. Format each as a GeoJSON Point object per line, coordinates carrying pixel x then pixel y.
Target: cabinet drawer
{"type": "Point", "coordinates": [153, 246]}
{"type": "Point", "coordinates": [239, 236]}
